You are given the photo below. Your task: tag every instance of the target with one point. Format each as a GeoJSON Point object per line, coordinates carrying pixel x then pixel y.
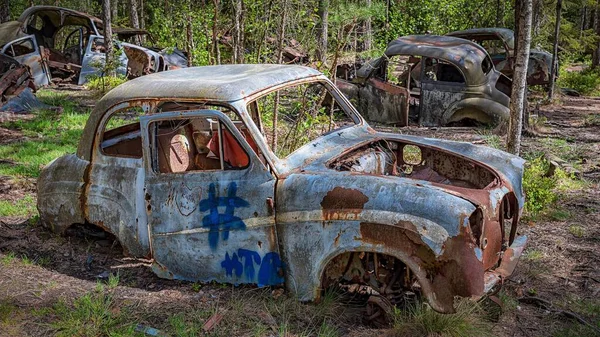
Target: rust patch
{"type": "Point", "coordinates": [343, 204]}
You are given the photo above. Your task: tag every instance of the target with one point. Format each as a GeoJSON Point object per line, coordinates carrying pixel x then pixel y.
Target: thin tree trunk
{"type": "Point", "coordinates": [133, 19]}
{"type": "Point", "coordinates": [215, 41]}
{"type": "Point", "coordinates": [322, 26]}
{"type": "Point", "coordinates": [555, 55]}
{"type": "Point", "coordinates": [596, 53]}
{"type": "Point", "coordinates": [280, 38]}
{"type": "Point", "coordinates": [190, 38]}
{"type": "Point", "coordinates": [368, 30]}
{"type": "Point", "coordinates": [108, 40]}
{"type": "Point", "coordinates": [519, 87]}
{"type": "Point", "coordinates": [264, 32]}
{"type": "Point", "coordinates": [5, 11]}
{"type": "Point", "coordinates": [238, 32]}
{"type": "Point", "coordinates": [498, 13]}
{"type": "Point", "coordinates": [114, 10]}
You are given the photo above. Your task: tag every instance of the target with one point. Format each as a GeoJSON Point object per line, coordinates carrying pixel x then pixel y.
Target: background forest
{"type": "Point", "coordinates": [250, 31]}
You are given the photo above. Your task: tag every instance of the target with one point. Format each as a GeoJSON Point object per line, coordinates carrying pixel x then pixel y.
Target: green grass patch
{"type": "Point", "coordinates": [592, 120]}
{"type": "Point", "coordinates": [559, 214]}
{"type": "Point", "coordinates": [586, 82]}
{"type": "Point", "coordinates": [577, 231]}
{"type": "Point", "coordinates": [104, 84]}
{"type": "Point", "coordinates": [22, 207]}
{"type": "Point", "coordinates": [421, 320]}
{"type": "Point", "coordinates": [94, 314]}
{"type": "Point", "coordinates": [48, 135]}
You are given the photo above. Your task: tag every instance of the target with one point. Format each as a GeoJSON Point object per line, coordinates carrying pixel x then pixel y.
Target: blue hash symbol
{"type": "Point", "coordinates": [221, 222]}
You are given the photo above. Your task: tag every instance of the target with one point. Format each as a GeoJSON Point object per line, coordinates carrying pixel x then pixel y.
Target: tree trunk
{"type": "Point", "coordinates": [5, 11]}
{"type": "Point", "coordinates": [133, 19]}
{"type": "Point", "coordinates": [554, 70]}
{"type": "Point", "coordinates": [215, 41]}
{"type": "Point", "coordinates": [596, 53]}
{"type": "Point", "coordinates": [114, 10]}
{"type": "Point", "coordinates": [238, 32]}
{"type": "Point", "coordinates": [322, 25]}
{"type": "Point", "coordinates": [498, 12]}
{"type": "Point", "coordinates": [280, 38]}
{"type": "Point", "coordinates": [110, 64]}
{"type": "Point", "coordinates": [368, 30]}
{"type": "Point", "coordinates": [190, 38]}
{"type": "Point", "coordinates": [519, 87]}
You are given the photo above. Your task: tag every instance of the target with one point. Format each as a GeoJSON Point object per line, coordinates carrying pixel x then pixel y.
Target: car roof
{"type": "Point", "coordinates": [222, 83]}
{"type": "Point", "coordinates": [464, 54]}
{"type": "Point", "coordinates": [507, 35]}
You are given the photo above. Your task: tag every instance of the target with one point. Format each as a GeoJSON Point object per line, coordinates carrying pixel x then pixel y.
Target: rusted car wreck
{"type": "Point", "coordinates": [500, 44]}
{"type": "Point", "coordinates": [430, 80]}
{"type": "Point", "coordinates": [199, 179]}
{"type": "Point", "coordinates": [16, 87]}
{"type": "Point", "coordinates": [63, 45]}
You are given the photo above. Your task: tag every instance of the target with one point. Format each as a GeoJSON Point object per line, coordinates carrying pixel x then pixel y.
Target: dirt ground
{"type": "Point", "coordinates": [559, 276]}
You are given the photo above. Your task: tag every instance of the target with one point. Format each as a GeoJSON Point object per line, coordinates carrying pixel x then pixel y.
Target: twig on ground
{"type": "Point", "coordinates": [542, 303]}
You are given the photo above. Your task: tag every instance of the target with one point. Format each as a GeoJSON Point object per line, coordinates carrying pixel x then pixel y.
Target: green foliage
{"type": "Point", "coordinates": [421, 320]}
{"type": "Point", "coordinates": [104, 84]}
{"type": "Point", "coordinates": [586, 82]}
{"type": "Point", "coordinates": [577, 231]}
{"type": "Point", "coordinates": [538, 187]}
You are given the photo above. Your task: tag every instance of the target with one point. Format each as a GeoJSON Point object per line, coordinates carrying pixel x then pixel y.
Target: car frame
{"type": "Point", "coordinates": [476, 91]}
{"type": "Point", "coordinates": [304, 221]}
{"type": "Point", "coordinates": [540, 61]}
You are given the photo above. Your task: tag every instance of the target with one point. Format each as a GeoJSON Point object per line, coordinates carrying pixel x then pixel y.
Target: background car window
{"type": "Point", "coordinates": [121, 136]}
{"type": "Point", "coordinates": [195, 144]}
{"type": "Point", "coordinates": [296, 115]}
{"type": "Point", "coordinates": [438, 70]}
{"type": "Point", "coordinates": [20, 48]}
{"type": "Point", "coordinates": [402, 69]}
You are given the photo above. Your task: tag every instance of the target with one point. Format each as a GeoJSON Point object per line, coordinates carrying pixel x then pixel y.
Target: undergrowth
{"type": "Point", "coordinates": [586, 82]}
{"type": "Point", "coordinates": [104, 84]}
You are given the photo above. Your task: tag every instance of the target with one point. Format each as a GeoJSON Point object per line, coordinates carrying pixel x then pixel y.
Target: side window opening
{"type": "Point", "coordinates": [121, 136]}
{"type": "Point", "coordinates": [233, 116]}
{"type": "Point", "coordinates": [20, 48]}
{"type": "Point", "coordinates": [195, 144]}
{"type": "Point", "coordinates": [296, 115]}
{"type": "Point", "coordinates": [438, 70]}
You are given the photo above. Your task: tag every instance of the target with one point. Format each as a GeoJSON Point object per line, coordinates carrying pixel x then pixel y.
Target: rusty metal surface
{"type": "Point", "coordinates": [17, 87]}
{"type": "Point", "coordinates": [431, 224]}
{"type": "Point", "coordinates": [431, 102]}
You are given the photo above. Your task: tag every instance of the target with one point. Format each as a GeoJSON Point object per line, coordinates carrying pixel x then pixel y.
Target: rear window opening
{"type": "Point", "coordinates": [392, 158]}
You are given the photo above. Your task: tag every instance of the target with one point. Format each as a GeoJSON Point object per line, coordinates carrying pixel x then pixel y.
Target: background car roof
{"type": "Point", "coordinates": [464, 54]}
{"type": "Point", "coordinates": [507, 35]}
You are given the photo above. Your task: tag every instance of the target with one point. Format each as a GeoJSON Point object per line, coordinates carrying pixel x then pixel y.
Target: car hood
{"type": "Point", "coordinates": [316, 155]}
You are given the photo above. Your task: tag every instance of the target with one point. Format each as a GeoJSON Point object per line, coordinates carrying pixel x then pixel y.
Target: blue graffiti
{"type": "Point", "coordinates": [269, 273]}
{"type": "Point", "coordinates": [221, 222]}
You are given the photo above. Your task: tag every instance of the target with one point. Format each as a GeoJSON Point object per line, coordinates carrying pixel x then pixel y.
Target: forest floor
{"type": "Point", "coordinates": [82, 284]}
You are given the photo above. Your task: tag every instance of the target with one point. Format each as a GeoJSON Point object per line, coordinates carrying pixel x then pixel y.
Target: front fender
{"type": "Point", "coordinates": [321, 216]}
{"type": "Point", "coordinates": [481, 109]}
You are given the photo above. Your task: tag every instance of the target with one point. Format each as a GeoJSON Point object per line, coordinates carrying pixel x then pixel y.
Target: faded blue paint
{"type": "Point", "coordinates": [479, 253]}
{"type": "Point", "coordinates": [270, 271]}
{"type": "Point", "coordinates": [218, 222]}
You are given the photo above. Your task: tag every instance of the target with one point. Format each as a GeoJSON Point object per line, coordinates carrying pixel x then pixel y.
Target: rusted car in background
{"type": "Point", "coordinates": [430, 80]}
{"type": "Point", "coordinates": [63, 45]}
{"type": "Point", "coordinates": [16, 87]}
{"type": "Point", "coordinates": [500, 44]}
{"type": "Point", "coordinates": [202, 178]}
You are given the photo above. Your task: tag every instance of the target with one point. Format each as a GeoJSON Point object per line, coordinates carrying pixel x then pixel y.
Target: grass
{"type": "Point", "coordinates": [47, 136]}
{"type": "Point", "coordinates": [21, 207]}
{"type": "Point", "coordinates": [8, 258]}
{"type": "Point", "coordinates": [559, 214]}
{"type": "Point", "coordinates": [492, 140]}
{"type": "Point", "coordinates": [104, 84]}
{"type": "Point", "coordinates": [421, 320]}
{"type": "Point", "coordinates": [577, 231]}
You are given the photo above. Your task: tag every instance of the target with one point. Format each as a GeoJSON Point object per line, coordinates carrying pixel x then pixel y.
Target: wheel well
{"type": "Point", "coordinates": [470, 115]}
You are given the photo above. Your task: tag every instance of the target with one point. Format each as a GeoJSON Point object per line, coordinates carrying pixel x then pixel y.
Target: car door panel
{"type": "Point", "coordinates": [213, 224]}
{"type": "Point", "coordinates": [32, 58]}
{"type": "Point", "coordinates": [94, 59]}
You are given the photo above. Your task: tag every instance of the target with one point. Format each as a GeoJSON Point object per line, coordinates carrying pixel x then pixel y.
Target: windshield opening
{"type": "Point", "coordinates": [296, 115]}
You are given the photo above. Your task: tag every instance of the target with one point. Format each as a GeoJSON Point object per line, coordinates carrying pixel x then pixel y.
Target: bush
{"type": "Point", "coordinates": [104, 84]}
{"type": "Point", "coordinates": [586, 82]}
{"type": "Point", "coordinates": [538, 187]}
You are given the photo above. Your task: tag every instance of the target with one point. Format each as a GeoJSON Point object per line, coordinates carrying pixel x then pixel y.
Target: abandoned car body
{"type": "Point", "coordinates": [500, 44]}
{"type": "Point", "coordinates": [430, 80]}
{"type": "Point", "coordinates": [194, 178]}
{"type": "Point", "coordinates": [60, 44]}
